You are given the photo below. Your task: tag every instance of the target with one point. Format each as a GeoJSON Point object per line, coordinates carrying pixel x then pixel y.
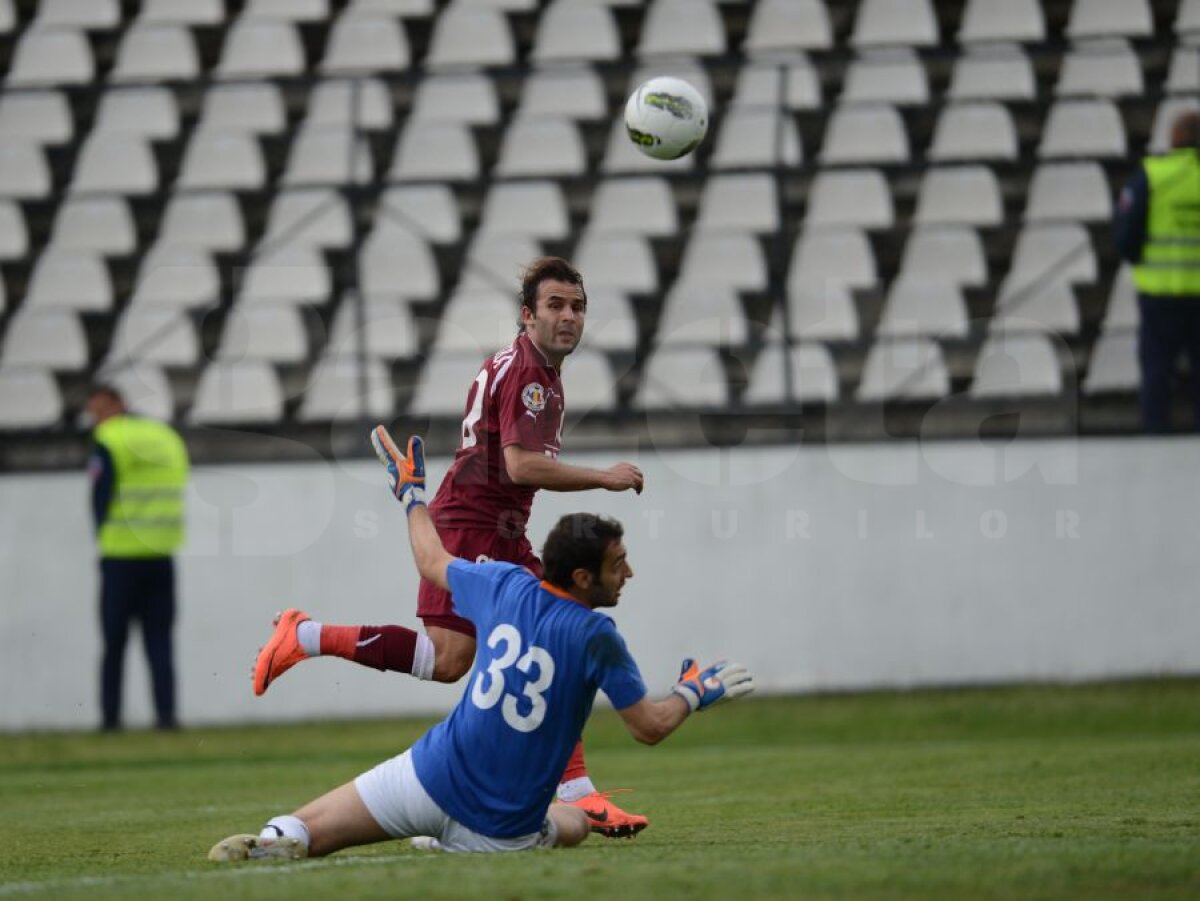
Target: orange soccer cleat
{"type": "Point", "coordinates": [607, 818]}
{"type": "Point", "coordinates": [282, 652]}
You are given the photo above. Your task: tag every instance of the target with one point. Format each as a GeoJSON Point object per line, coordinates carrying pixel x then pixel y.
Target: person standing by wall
{"type": "Point", "coordinates": [1157, 226]}
{"type": "Point", "coordinates": [139, 469]}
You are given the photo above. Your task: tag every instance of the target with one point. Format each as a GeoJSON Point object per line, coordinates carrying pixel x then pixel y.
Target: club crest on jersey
{"type": "Point", "coordinates": [533, 396]}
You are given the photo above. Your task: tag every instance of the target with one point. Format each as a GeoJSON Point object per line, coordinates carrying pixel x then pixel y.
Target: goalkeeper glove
{"type": "Point", "coordinates": [703, 688]}
{"type": "Point", "coordinates": [406, 475]}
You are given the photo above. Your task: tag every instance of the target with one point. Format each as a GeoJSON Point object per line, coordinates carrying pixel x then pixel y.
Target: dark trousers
{"type": "Point", "coordinates": [1169, 326]}
{"type": "Point", "coordinates": [142, 590]}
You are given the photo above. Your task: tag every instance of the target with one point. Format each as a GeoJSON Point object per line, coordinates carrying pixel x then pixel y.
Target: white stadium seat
{"type": "Point", "coordinates": [789, 81]}
{"type": "Point", "coordinates": [69, 279]}
{"type": "Point", "coordinates": [588, 381]}
{"type": "Point", "coordinates": [1068, 191]}
{"type": "Point", "coordinates": [1017, 366]}
{"type": "Point", "coordinates": [1187, 17]}
{"type": "Point", "coordinates": [429, 210]}
{"type": "Point", "coordinates": [237, 392]}
{"type": "Point", "coordinates": [359, 43]}
{"type": "Point", "coordinates": [183, 12]}
{"type": "Point", "coordinates": [29, 399]}
{"type": "Point", "coordinates": [479, 322]}
{"type": "Point", "coordinates": [788, 24]}
{"type": "Point", "coordinates": [909, 22]}
{"type": "Point", "coordinates": [365, 102]}
{"type": "Point", "coordinates": [1061, 251]}
{"type": "Point", "coordinates": [572, 32]}
{"type": "Point", "coordinates": [682, 27]}
{"type": "Point", "coordinates": [610, 321]}
{"type": "Point", "coordinates": [1025, 305]}
{"type": "Point", "coordinates": [993, 72]}
{"type": "Point", "coordinates": [254, 107]}
{"type": "Point", "coordinates": [24, 173]}
{"type": "Point", "coordinates": [316, 216]}
{"type": "Point", "coordinates": [682, 377]}
{"type": "Point", "coordinates": [903, 369]}
{"type": "Point", "coordinates": [842, 255]}
{"type": "Point", "coordinates": [974, 131]}
{"type": "Point", "coordinates": [50, 56]}
{"type": "Point", "coordinates": [150, 112]}
{"type": "Point", "coordinates": [820, 311]}
{"type": "Point", "coordinates": [643, 205]}
{"type": "Point", "coordinates": [102, 224]}
{"type": "Point", "coordinates": [288, 10]}
{"type": "Point", "coordinates": [893, 75]}
{"type": "Point", "coordinates": [441, 151]}
{"type": "Point", "coordinates": [397, 262]}
{"type": "Point", "coordinates": [14, 236]}
{"type": "Point", "coordinates": [948, 253]}
{"type": "Point", "coordinates": [750, 137]}
{"type": "Point", "coordinates": [152, 52]}
{"type": "Point", "coordinates": [293, 273]}
{"type": "Point", "coordinates": [576, 93]}
{"type": "Point", "coordinates": [464, 97]}
{"type": "Point", "coordinates": [93, 15]}
{"type": "Point", "coordinates": [857, 197]}
{"type": "Point", "coordinates": [207, 219]}
{"type": "Point", "coordinates": [335, 391]}
{"type": "Point", "coordinates": [495, 262]}
{"type": "Point", "coordinates": [43, 117]}
{"type": "Point", "coordinates": [1102, 68]}
{"type": "Point", "coordinates": [986, 21]}
{"type": "Point", "coordinates": [1110, 18]}
{"type": "Point", "coordinates": [163, 337]}
{"type": "Point", "coordinates": [1113, 367]}
{"type": "Point", "coordinates": [618, 261]}
{"type": "Point", "coordinates": [50, 339]}
{"type": "Point", "coordinates": [698, 312]}
{"type": "Point", "coordinates": [271, 332]}
{"type": "Point", "coordinates": [1121, 313]}
{"type": "Point", "coordinates": [115, 164]}
{"type": "Point", "coordinates": [223, 160]}
{"type": "Point", "coordinates": [541, 147]}
{"type": "Point", "coordinates": [741, 201]}
{"type": "Point", "coordinates": [467, 36]}
{"type": "Point", "coordinates": [1087, 128]}
{"type": "Point", "coordinates": [328, 156]}
{"type": "Point", "coordinates": [441, 384]}
{"type": "Point", "coordinates": [813, 376]}
{"type": "Point", "coordinates": [730, 258]}
{"type": "Point", "coordinates": [865, 134]}
{"type": "Point", "coordinates": [536, 208]}
{"type": "Point", "coordinates": [387, 329]}
{"type": "Point", "coordinates": [176, 276]}
{"type": "Point", "coordinates": [1183, 73]}
{"type": "Point", "coordinates": [959, 195]}
{"type": "Point", "coordinates": [260, 48]}
{"type": "Point", "coordinates": [923, 306]}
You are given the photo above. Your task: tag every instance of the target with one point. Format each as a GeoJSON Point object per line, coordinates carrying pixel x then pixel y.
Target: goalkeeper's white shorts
{"type": "Point", "coordinates": [399, 803]}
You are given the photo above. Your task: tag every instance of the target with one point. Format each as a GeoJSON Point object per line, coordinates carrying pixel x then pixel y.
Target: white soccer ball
{"type": "Point", "coordinates": [666, 118]}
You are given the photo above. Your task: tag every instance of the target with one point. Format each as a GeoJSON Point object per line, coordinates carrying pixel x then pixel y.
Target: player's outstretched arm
{"type": "Point", "coordinates": [406, 477]}
{"type": "Point", "coordinates": [534, 470]}
{"type": "Point", "coordinates": [651, 721]}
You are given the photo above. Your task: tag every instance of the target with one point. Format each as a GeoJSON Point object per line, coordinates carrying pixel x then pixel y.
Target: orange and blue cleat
{"type": "Point", "coordinates": [282, 652]}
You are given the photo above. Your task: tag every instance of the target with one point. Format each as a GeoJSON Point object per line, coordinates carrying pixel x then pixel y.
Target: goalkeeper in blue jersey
{"type": "Point", "coordinates": [484, 778]}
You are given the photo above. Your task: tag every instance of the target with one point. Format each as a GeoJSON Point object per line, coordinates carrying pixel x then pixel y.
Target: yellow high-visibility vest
{"type": "Point", "coordinates": [1170, 263]}
{"type": "Point", "coordinates": [150, 466]}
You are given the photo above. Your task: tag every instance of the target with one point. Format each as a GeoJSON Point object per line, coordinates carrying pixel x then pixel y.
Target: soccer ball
{"type": "Point", "coordinates": [666, 118]}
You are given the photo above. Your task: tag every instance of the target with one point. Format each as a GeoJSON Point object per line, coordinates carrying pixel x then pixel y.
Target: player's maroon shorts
{"type": "Point", "coordinates": [477, 545]}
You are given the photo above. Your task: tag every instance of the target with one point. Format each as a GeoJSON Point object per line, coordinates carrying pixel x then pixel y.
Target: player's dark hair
{"type": "Point", "coordinates": [101, 389]}
{"type": "Point", "coordinates": [578, 541]}
{"type": "Point", "coordinates": [547, 269]}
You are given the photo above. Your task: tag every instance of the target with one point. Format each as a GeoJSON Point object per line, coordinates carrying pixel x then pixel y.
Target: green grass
{"type": "Point", "coordinates": [1043, 792]}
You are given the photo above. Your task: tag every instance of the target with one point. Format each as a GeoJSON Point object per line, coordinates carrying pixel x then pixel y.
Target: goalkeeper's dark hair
{"type": "Point", "coordinates": [578, 541]}
{"type": "Point", "coordinates": [547, 269]}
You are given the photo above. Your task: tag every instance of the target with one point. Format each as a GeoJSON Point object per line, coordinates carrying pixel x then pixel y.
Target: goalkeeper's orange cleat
{"type": "Point", "coordinates": [282, 652]}
{"type": "Point", "coordinates": [607, 818]}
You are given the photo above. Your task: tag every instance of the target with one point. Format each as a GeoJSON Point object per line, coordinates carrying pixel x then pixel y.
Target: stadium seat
{"type": "Point", "coordinates": [841, 255]}
{"type": "Point", "coordinates": [253, 107]}
{"type": "Point", "coordinates": [288, 10]}
{"type": "Point", "coordinates": [8, 16]}
{"type": "Point", "coordinates": [536, 208]}
{"type": "Point", "coordinates": [14, 236]}
{"type": "Point", "coordinates": [1183, 73]}
{"type": "Point", "coordinates": [945, 253]}
{"type": "Point", "coordinates": [387, 328]}
{"type": "Point", "coordinates": [864, 134]}
{"type": "Point", "coordinates": [986, 21]}
{"type": "Point", "coordinates": [1113, 366]}
{"type": "Point", "coordinates": [572, 32]}
{"type": "Point", "coordinates": [730, 258]}
{"type": "Point", "coordinates": [176, 276]}
{"type": "Point", "coordinates": [45, 57]}
{"type": "Point", "coordinates": [315, 216]}
{"type": "Point", "coordinates": [393, 262]}
{"type": "Point", "coordinates": [1075, 191]}
{"type": "Point", "coordinates": [360, 43]}
{"type": "Point", "coordinates": [1164, 118]}
{"type": "Point", "coordinates": [959, 195]}
{"type": "Point", "coordinates": [364, 102]}
{"type": "Point", "coordinates": [682, 377]}
{"type": "Point", "coordinates": [29, 399]}
{"type": "Point", "coordinates": [152, 52]}
{"type": "Point", "coordinates": [541, 147]}
{"type": "Point", "coordinates": [182, 12]}
{"type": "Point", "coordinates": [463, 97]}
{"type": "Point", "coordinates": [786, 25]}
{"type": "Point", "coordinates": [908, 22]}
{"type": "Point", "coordinates": [494, 263]}
{"type": "Point", "coordinates": [292, 273]}
{"type": "Point", "coordinates": [1053, 250]}
{"type": "Point", "coordinates": [43, 117]}
{"type": "Point", "coordinates": [69, 279]}
{"type": "Point", "coordinates": [260, 48]}
{"type": "Point", "coordinates": [146, 390]}
{"type": "Point", "coordinates": [115, 164]}
{"type": "Point", "coordinates": [625, 262]}
{"type": "Point", "coordinates": [1110, 18]}
{"type": "Point", "coordinates": [993, 72]}
{"type": "Point", "coordinates": [335, 391]}
{"type": "Point", "coordinates": [93, 15]}
{"type": "Point", "coordinates": [814, 376]}
{"type": "Point", "coordinates": [1083, 128]}
{"type": "Point", "coordinates": [208, 219]}
{"type": "Point", "coordinates": [788, 81]}
{"type": "Point", "coordinates": [859, 197]}
{"type": "Point", "coordinates": [1187, 17]}
{"type": "Point", "coordinates": [893, 76]}
{"type": "Point", "coordinates": [743, 202]}
{"type": "Point", "coordinates": [416, 9]}
{"type": "Point", "coordinates": [643, 206]}
{"type": "Point", "coordinates": [24, 173]}
{"type": "Point", "coordinates": [223, 160]}
{"type": "Point", "coordinates": [621, 157]}
{"type": "Point", "coordinates": [820, 311]}
{"type": "Point", "coordinates": [1101, 68]}
{"type": "Point", "coordinates": [575, 93]}
{"type": "Point", "coordinates": [973, 131]}
{"type": "Point", "coordinates": [700, 312]}
{"type": "Point", "coordinates": [429, 210]}
{"type": "Point", "coordinates": [682, 27]}
{"type": "Point", "coordinates": [756, 138]}
{"type": "Point", "coordinates": [441, 384]}
{"type": "Point", "coordinates": [102, 224]}
{"type": "Point", "coordinates": [467, 36]}
{"type": "Point", "coordinates": [588, 381]}
{"type": "Point", "coordinates": [271, 332]}
{"type": "Point", "coordinates": [234, 392]}
{"type": "Point", "coordinates": [435, 151]}
{"type": "Point", "coordinates": [1044, 305]}
{"type": "Point", "coordinates": [478, 322]}
{"type": "Point", "coordinates": [903, 369]}
{"type": "Point", "coordinates": [163, 337]}
{"type": "Point", "coordinates": [923, 307]}
{"type": "Point", "coordinates": [610, 321]}
{"type": "Point", "coordinates": [1017, 366]}
{"type": "Point", "coordinates": [328, 156]}
{"type": "Point", "coordinates": [149, 112]}
{"type": "Point", "coordinates": [1121, 312]}
{"type": "Point", "coordinates": [49, 339]}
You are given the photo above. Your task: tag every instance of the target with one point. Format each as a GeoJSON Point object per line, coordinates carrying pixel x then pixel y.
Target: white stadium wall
{"type": "Point", "coordinates": [832, 567]}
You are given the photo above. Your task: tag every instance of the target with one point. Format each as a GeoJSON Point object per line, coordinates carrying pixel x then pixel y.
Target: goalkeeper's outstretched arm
{"type": "Point", "coordinates": [651, 721]}
{"type": "Point", "coordinates": [431, 556]}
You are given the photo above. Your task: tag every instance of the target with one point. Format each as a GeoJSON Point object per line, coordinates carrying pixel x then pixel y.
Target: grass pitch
{"type": "Point", "coordinates": [1041, 792]}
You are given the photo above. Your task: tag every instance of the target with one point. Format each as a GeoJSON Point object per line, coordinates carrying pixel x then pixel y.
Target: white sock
{"type": "Point", "coordinates": [308, 634]}
{"type": "Point", "coordinates": [574, 789]}
{"type": "Point", "coordinates": [423, 657]}
{"type": "Point", "coordinates": [285, 827]}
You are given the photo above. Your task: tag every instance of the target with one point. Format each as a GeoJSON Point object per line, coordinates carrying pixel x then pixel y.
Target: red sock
{"type": "Point", "coordinates": [380, 647]}
{"type": "Point", "coordinates": [576, 767]}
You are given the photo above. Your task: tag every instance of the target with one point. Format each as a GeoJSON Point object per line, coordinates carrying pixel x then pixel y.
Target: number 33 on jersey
{"type": "Point", "coordinates": [489, 686]}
